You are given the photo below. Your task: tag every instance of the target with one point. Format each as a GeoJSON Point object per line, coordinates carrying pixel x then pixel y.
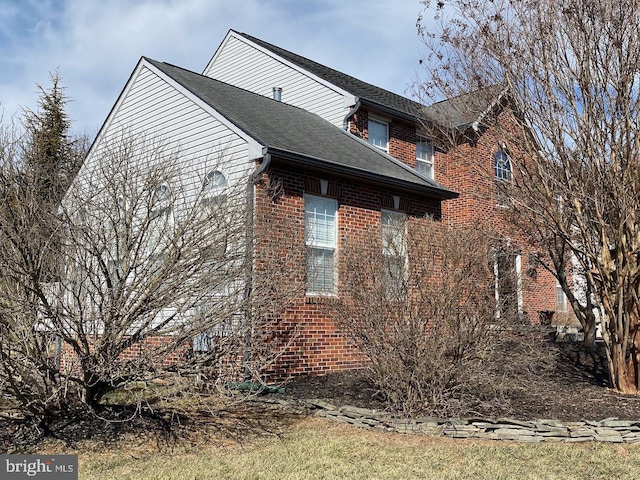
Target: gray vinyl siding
{"type": "Point", "coordinates": [241, 64]}
{"type": "Point", "coordinates": [154, 109]}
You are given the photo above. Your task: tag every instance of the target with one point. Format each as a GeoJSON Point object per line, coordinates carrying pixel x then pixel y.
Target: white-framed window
{"type": "Point", "coordinates": [161, 223]}
{"type": "Point", "coordinates": [502, 170]}
{"type": "Point", "coordinates": [214, 182]}
{"type": "Point", "coordinates": [561, 298]}
{"type": "Point", "coordinates": [424, 157]}
{"type": "Point", "coordinates": [214, 188]}
{"type": "Point", "coordinates": [379, 134]}
{"type": "Point", "coordinates": [215, 207]}
{"type": "Point", "coordinates": [502, 165]}
{"type": "Point", "coordinates": [321, 234]}
{"type": "Point", "coordinates": [393, 229]}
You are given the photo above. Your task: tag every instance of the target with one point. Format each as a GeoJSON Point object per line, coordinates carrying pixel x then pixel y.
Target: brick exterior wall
{"type": "Point", "coordinates": [468, 168]}
{"type": "Point", "coordinates": [319, 347]}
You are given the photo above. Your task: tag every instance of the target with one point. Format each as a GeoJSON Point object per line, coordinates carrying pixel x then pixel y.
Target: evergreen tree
{"type": "Point", "coordinates": [51, 155]}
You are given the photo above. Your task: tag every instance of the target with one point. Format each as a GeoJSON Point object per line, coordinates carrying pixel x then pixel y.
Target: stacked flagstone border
{"type": "Point", "coordinates": [610, 430]}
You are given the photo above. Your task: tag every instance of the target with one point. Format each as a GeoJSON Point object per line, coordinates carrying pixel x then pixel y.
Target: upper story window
{"type": "Point", "coordinates": [321, 234]}
{"type": "Point", "coordinates": [214, 181]}
{"type": "Point", "coordinates": [160, 202]}
{"type": "Point", "coordinates": [379, 134]}
{"type": "Point", "coordinates": [502, 165]}
{"type": "Point", "coordinates": [424, 157]}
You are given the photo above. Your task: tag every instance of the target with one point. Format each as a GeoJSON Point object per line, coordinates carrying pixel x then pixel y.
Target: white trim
{"type": "Point", "coordinates": [518, 265]}
{"type": "Point", "coordinates": [309, 243]}
{"type": "Point", "coordinates": [379, 122]}
{"type": "Point", "coordinates": [424, 139]}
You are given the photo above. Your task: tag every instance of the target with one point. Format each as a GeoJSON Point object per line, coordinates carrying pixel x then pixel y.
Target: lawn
{"type": "Point", "coordinates": [318, 449]}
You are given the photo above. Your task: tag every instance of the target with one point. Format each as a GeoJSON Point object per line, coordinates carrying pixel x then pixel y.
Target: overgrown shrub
{"type": "Point", "coordinates": [424, 304]}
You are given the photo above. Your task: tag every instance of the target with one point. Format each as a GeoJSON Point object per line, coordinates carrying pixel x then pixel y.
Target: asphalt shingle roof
{"type": "Point", "coordinates": [357, 87]}
{"type": "Point", "coordinates": [285, 128]}
{"type": "Point", "coordinates": [458, 112]}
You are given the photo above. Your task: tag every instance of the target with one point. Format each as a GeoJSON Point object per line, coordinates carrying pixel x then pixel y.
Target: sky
{"type": "Point", "coordinates": [95, 44]}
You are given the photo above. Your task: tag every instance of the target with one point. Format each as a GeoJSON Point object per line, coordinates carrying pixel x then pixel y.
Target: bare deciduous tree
{"type": "Point", "coordinates": [570, 69]}
{"type": "Point", "coordinates": [145, 268]}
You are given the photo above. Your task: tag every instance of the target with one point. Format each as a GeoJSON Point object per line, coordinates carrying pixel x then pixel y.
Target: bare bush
{"type": "Point", "coordinates": [420, 302]}
{"type": "Point", "coordinates": [144, 270]}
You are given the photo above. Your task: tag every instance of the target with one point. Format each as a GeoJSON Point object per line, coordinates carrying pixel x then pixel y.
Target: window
{"type": "Point", "coordinates": [424, 157]}
{"type": "Point", "coordinates": [502, 168]}
{"type": "Point", "coordinates": [160, 223]}
{"type": "Point", "coordinates": [502, 165]}
{"type": "Point", "coordinates": [321, 228]}
{"type": "Point", "coordinates": [379, 134]}
{"type": "Point", "coordinates": [213, 187]}
{"type": "Point", "coordinates": [508, 284]}
{"type": "Point", "coordinates": [394, 251]}
{"type": "Point", "coordinates": [214, 181]}
{"type": "Point", "coordinates": [561, 298]}
{"type": "Point", "coordinates": [160, 200]}
{"type": "Point", "coordinates": [214, 207]}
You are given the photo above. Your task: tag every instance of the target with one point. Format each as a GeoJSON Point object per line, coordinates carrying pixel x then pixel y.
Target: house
{"type": "Point", "coordinates": [345, 155]}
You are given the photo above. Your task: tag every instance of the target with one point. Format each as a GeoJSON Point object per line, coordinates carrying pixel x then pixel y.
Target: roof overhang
{"type": "Point", "coordinates": [321, 165]}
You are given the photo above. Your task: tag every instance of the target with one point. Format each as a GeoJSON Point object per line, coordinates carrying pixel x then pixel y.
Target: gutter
{"type": "Point", "coordinates": [352, 112]}
{"type": "Point", "coordinates": [248, 289]}
{"type": "Point", "coordinates": [341, 170]}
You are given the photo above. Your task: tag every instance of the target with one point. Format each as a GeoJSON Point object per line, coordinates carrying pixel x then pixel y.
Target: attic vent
{"type": "Point", "coordinates": [277, 94]}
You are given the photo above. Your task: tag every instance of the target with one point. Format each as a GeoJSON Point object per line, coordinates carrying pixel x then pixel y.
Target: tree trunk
{"type": "Point", "coordinates": [589, 329]}
{"type": "Point", "coordinates": [624, 369]}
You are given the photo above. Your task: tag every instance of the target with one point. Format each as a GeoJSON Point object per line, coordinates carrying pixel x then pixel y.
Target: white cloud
{"type": "Point", "coordinates": [96, 44]}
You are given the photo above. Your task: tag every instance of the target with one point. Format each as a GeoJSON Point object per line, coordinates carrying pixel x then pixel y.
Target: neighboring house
{"type": "Point", "coordinates": [346, 155]}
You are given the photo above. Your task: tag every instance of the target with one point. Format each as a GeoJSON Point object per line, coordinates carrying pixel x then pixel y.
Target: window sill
{"type": "Point", "coordinates": [312, 299]}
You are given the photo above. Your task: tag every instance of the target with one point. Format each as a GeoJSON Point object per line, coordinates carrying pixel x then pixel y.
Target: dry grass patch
{"type": "Point", "coordinates": [316, 449]}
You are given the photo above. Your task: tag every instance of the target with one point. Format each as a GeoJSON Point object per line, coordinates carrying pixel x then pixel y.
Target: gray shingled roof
{"type": "Point", "coordinates": [462, 111]}
{"type": "Point", "coordinates": [296, 133]}
{"type": "Point", "coordinates": [363, 90]}
{"type": "Point", "coordinates": [459, 112]}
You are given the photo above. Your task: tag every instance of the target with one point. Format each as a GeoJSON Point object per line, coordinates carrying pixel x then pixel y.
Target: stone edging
{"type": "Point", "coordinates": [610, 430]}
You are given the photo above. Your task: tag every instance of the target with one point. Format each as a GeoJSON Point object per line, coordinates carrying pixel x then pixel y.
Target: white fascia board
{"type": "Point", "coordinates": [349, 98]}
{"type": "Point", "coordinates": [254, 147]}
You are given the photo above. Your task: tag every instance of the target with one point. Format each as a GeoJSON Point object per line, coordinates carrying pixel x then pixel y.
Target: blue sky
{"type": "Point", "coordinates": [95, 44]}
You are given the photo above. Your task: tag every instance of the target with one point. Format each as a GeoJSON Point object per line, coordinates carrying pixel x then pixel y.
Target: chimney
{"type": "Point", "coordinates": [277, 94]}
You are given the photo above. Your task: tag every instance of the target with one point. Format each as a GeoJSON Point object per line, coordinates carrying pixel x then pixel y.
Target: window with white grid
{"type": "Point", "coordinates": [321, 228]}
{"type": "Point", "coordinates": [424, 157]}
{"type": "Point", "coordinates": [379, 134]}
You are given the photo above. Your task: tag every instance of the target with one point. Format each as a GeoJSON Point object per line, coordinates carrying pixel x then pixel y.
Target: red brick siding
{"type": "Point", "coordinates": [319, 347]}
{"type": "Point", "coordinates": [468, 168]}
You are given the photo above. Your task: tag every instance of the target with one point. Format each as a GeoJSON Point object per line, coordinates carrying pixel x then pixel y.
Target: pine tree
{"type": "Point", "coordinates": [52, 156]}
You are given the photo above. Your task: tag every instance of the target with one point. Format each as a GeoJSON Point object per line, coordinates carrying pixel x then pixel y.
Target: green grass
{"type": "Point", "coordinates": [316, 449]}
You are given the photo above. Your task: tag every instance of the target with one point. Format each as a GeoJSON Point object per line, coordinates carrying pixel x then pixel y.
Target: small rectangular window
{"type": "Point", "coordinates": [424, 157]}
{"type": "Point", "coordinates": [379, 134]}
{"type": "Point", "coordinates": [393, 227]}
{"type": "Point", "coordinates": [321, 232]}
{"type": "Point", "coordinates": [561, 299]}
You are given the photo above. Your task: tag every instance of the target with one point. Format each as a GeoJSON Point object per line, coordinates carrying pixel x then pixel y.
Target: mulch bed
{"type": "Point", "coordinates": [576, 388]}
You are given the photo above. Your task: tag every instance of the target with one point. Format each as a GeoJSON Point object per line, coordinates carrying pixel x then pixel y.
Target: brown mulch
{"type": "Point", "coordinates": [576, 388]}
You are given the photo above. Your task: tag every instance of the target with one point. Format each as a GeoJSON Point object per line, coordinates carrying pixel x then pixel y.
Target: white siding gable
{"type": "Point", "coordinates": [251, 67]}
{"type": "Point", "coordinates": [154, 106]}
